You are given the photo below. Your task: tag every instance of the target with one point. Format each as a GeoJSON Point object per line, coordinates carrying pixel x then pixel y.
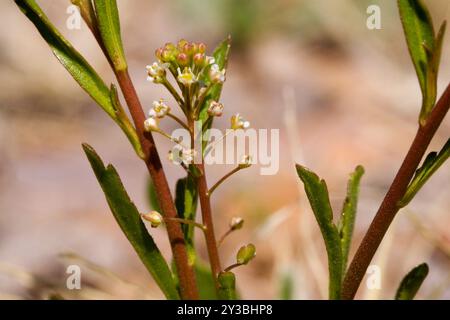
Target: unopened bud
{"type": "Point", "coordinates": [154, 217]}
{"type": "Point", "coordinates": [236, 223]}
{"type": "Point", "coordinates": [246, 161]}
{"type": "Point", "coordinates": [199, 59]}
{"type": "Point", "coordinates": [151, 124]}
{"type": "Point", "coordinates": [182, 59]}
{"type": "Point", "coordinates": [215, 109]}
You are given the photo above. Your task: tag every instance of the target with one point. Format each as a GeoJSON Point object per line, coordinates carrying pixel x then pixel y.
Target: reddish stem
{"type": "Point", "coordinates": [389, 207]}
{"type": "Point", "coordinates": [186, 275]}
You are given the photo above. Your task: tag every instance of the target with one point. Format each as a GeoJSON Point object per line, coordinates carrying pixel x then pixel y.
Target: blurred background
{"type": "Point", "coordinates": [340, 94]}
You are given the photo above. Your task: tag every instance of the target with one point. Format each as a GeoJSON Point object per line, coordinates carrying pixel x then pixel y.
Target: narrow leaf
{"type": "Point", "coordinates": [411, 283]}
{"type": "Point", "coordinates": [71, 59]}
{"type": "Point", "coordinates": [87, 12]}
{"type": "Point", "coordinates": [129, 220]}
{"type": "Point", "coordinates": [317, 193]}
{"type": "Point", "coordinates": [432, 163]}
{"type": "Point", "coordinates": [205, 281]}
{"type": "Point", "coordinates": [419, 32]}
{"type": "Point", "coordinates": [186, 203]}
{"type": "Point", "coordinates": [348, 216]}
{"type": "Point", "coordinates": [109, 26]}
{"type": "Point", "coordinates": [152, 196]}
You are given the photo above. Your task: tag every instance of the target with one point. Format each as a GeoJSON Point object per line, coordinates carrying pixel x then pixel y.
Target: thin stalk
{"type": "Point", "coordinates": [174, 117]}
{"type": "Point", "coordinates": [188, 286]}
{"type": "Point", "coordinates": [234, 265]}
{"type": "Point", "coordinates": [225, 177]}
{"type": "Point", "coordinates": [189, 222]}
{"type": "Point", "coordinates": [390, 205]}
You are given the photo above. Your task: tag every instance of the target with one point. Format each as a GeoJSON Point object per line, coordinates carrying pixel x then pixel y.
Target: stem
{"type": "Point", "coordinates": [225, 177]}
{"type": "Point", "coordinates": [189, 222]}
{"type": "Point", "coordinates": [210, 238]}
{"type": "Point", "coordinates": [235, 265]}
{"type": "Point", "coordinates": [188, 286]}
{"type": "Point", "coordinates": [174, 117]}
{"type": "Point", "coordinates": [174, 93]}
{"type": "Point", "coordinates": [222, 238]}
{"type": "Point", "coordinates": [390, 205]}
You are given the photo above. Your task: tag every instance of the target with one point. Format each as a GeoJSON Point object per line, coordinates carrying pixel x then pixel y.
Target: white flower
{"type": "Point", "coordinates": [210, 60]}
{"type": "Point", "coordinates": [154, 217]}
{"type": "Point", "coordinates": [187, 77]}
{"type": "Point", "coordinates": [156, 72]}
{"type": "Point", "coordinates": [246, 161]}
{"type": "Point", "coordinates": [159, 110]}
{"type": "Point", "coordinates": [215, 109]}
{"type": "Point", "coordinates": [151, 124]}
{"type": "Point", "coordinates": [237, 122]}
{"type": "Point", "coordinates": [180, 155]}
{"type": "Point", "coordinates": [216, 75]}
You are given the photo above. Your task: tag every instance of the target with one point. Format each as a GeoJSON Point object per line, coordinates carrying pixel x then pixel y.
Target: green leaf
{"type": "Point", "coordinates": [87, 12]}
{"type": "Point", "coordinates": [287, 286]}
{"type": "Point", "coordinates": [125, 124]}
{"type": "Point", "coordinates": [411, 283]}
{"type": "Point", "coordinates": [80, 70]}
{"type": "Point", "coordinates": [424, 47]}
{"type": "Point", "coordinates": [221, 55]}
{"type": "Point", "coordinates": [71, 59]}
{"type": "Point", "coordinates": [205, 281]}
{"type": "Point", "coordinates": [317, 193]}
{"type": "Point", "coordinates": [129, 220]}
{"type": "Point", "coordinates": [186, 203]}
{"type": "Point", "coordinates": [227, 286]}
{"type": "Point", "coordinates": [109, 26]}
{"type": "Point", "coordinates": [432, 163]}
{"type": "Point", "coordinates": [348, 216]}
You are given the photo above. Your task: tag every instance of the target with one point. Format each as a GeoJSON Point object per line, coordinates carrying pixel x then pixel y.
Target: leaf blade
{"type": "Point", "coordinates": [109, 27]}
{"type": "Point", "coordinates": [348, 216]}
{"type": "Point", "coordinates": [411, 283]}
{"type": "Point", "coordinates": [317, 193]}
{"type": "Point", "coordinates": [70, 58]}
{"type": "Point", "coordinates": [128, 218]}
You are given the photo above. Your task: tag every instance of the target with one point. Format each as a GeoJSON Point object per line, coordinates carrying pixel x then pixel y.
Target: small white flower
{"type": "Point", "coordinates": [156, 72]}
{"type": "Point", "coordinates": [154, 217]}
{"type": "Point", "coordinates": [246, 161]}
{"type": "Point", "coordinates": [210, 60]}
{"type": "Point", "coordinates": [159, 109]}
{"type": "Point", "coordinates": [187, 77]}
{"type": "Point", "coordinates": [215, 109]}
{"type": "Point", "coordinates": [216, 75]}
{"type": "Point", "coordinates": [237, 122]}
{"type": "Point", "coordinates": [151, 124]}
{"type": "Point", "coordinates": [180, 155]}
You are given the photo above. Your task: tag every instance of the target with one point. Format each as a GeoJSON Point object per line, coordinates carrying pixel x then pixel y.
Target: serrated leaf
{"type": "Point", "coordinates": [411, 283]}
{"type": "Point", "coordinates": [227, 286]}
{"type": "Point", "coordinates": [70, 58]}
{"type": "Point", "coordinates": [109, 27]}
{"type": "Point", "coordinates": [317, 193]}
{"type": "Point", "coordinates": [431, 164]}
{"type": "Point", "coordinates": [419, 32]}
{"type": "Point", "coordinates": [348, 216]}
{"type": "Point", "coordinates": [129, 220]}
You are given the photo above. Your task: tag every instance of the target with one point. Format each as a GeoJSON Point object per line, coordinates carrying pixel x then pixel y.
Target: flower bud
{"type": "Point", "coordinates": [237, 122]}
{"type": "Point", "coordinates": [246, 162]}
{"type": "Point", "coordinates": [215, 109]}
{"type": "Point", "coordinates": [182, 59]}
{"type": "Point", "coordinates": [199, 59]}
{"type": "Point", "coordinates": [151, 124]}
{"type": "Point", "coordinates": [181, 44]}
{"type": "Point", "coordinates": [154, 217]}
{"type": "Point", "coordinates": [158, 53]}
{"type": "Point", "coordinates": [246, 254]}
{"type": "Point", "coordinates": [201, 47]}
{"type": "Point", "coordinates": [236, 223]}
